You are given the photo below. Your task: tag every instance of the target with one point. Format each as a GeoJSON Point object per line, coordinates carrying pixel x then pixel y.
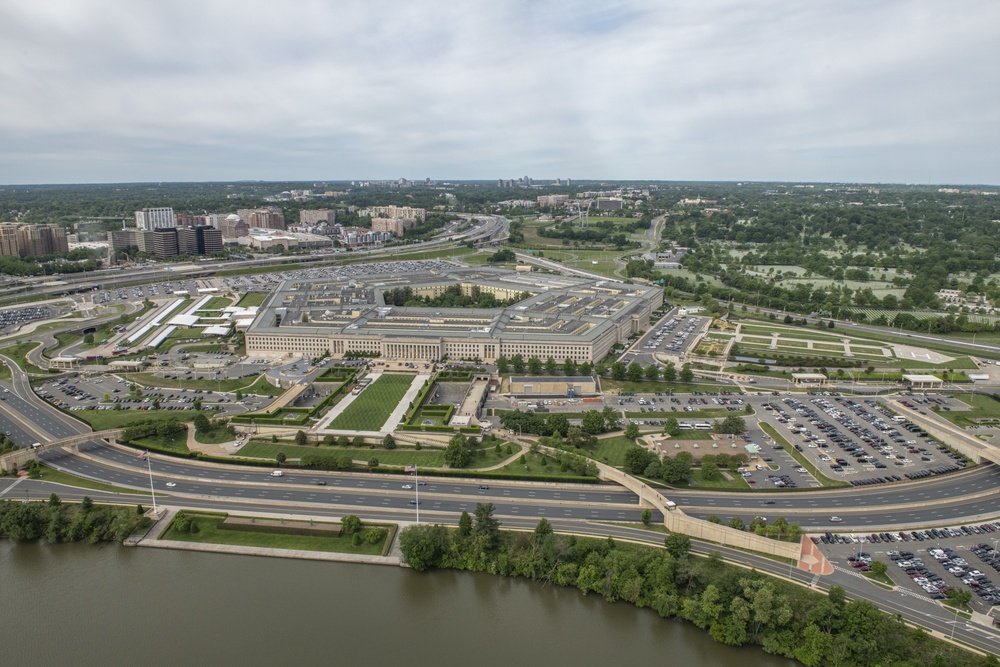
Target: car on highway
{"type": "Point", "coordinates": [835, 519]}
{"type": "Point", "coordinates": [768, 502]}
{"type": "Point", "coordinates": [414, 502]}
{"type": "Point", "coordinates": [407, 486]}
{"type": "Point", "coordinates": [484, 487]}
{"type": "Point", "coordinates": [171, 485]}
{"type": "Point", "coordinates": [277, 473]}
{"type": "Point", "coordinates": [319, 482]}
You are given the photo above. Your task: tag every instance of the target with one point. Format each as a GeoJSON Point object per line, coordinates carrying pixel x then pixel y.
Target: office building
{"type": "Point", "coordinates": [165, 242]}
{"type": "Point", "coordinates": [328, 216]}
{"type": "Point", "coordinates": [269, 217]}
{"type": "Point", "coordinates": [149, 219]}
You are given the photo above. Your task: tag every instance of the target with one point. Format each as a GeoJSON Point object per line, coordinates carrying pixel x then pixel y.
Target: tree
{"type": "Point", "coordinates": [712, 518]}
{"type": "Point", "coordinates": [502, 365]}
{"type": "Point", "coordinates": [677, 545]}
{"type": "Point", "coordinates": [458, 454]}
{"type": "Point", "coordinates": [534, 366]}
{"type": "Point", "coordinates": [517, 362]}
{"type": "Point", "coordinates": [373, 463]}
{"type": "Point", "coordinates": [358, 441]}
{"type": "Point", "coordinates": [486, 531]}
{"type": "Point", "coordinates": [300, 438]}
{"type": "Point", "coordinates": [637, 459]}
{"type": "Point", "coordinates": [197, 403]}
{"type": "Point", "coordinates": [239, 395]}
{"type": "Point", "coordinates": [54, 500]}
{"type": "Point", "coordinates": [647, 516]}
{"type": "Point", "coordinates": [710, 471]}
{"type": "Point", "coordinates": [280, 458]}
{"type": "Point", "coordinates": [389, 442]}
{"type": "Point", "coordinates": [557, 423]}
{"type": "Point", "coordinates": [550, 366]}
{"type": "Point", "coordinates": [632, 431]}
{"type": "Point", "coordinates": [88, 339]}
{"type": "Point", "coordinates": [670, 372]}
{"type": "Point", "coordinates": [732, 424]}
{"type": "Point", "coordinates": [350, 524]}
{"type": "Point", "coordinates": [634, 372]}
{"type": "Point", "coordinates": [687, 375]}
{"type": "Point", "coordinates": [672, 427]}
{"type": "Point", "coordinates": [201, 423]}
{"type": "Point", "coordinates": [86, 504]}
{"type": "Point", "coordinates": [592, 422]}
{"type": "Point", "coordinates": [652, 372]}
{"type": "Point", "coordinates": [423, 546]}
{"type": "Point", "coordinates": [569, 367]}
{"type": "Point", "coordinates": [465, 524]}
{"type": "Point", "coordinates": [879, 568]}
{"type": "Point", "coordinates": [542, 530]}
{"type": "Point", "coordinates": [619, 371]}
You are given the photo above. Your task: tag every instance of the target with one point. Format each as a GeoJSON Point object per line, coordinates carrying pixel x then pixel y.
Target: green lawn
{"type": "Point", "coordinates": [980, 407]}
{"type": "Point", "coordinates": [105, 419]}
{"type": "Point", "coordinates": [533, 466]}
{"type": "Point", "coordinates": [213, 437]}
{"type": "Point", "coordinates": [252, 299]}
{"type": "Point", "coordinates": [209, 532]}
{"type": "Point", "coordinates": [610, 450]}
{"type": "Point", "coordinates": [802, 333]}
{"type": "Point", "coordinates": [18, 353]}
{"type": "Point", "coordinates": [176, 443]}
{"type": "Point", "coordinates": [371, 409]}
{"type": "Point", "coordinates": [216, 303]}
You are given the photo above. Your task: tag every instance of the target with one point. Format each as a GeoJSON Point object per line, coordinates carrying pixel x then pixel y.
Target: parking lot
{"type": "Point", "coordinates": [927, 563]}
{"type": "Point", "coordinates": [13, 318]}
{"type": "Point", "coordinates": [111, 393]}
{"type": "Point", "coordinates": [859, 441]}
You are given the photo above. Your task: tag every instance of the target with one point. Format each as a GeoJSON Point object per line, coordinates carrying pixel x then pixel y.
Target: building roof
{"type": "Point", "coordinates": [551, 378]}
{"type": "Point", "coordinates": [184, 320]}
{"type": "Point", "coordinates": [922, 378]}
{"type": "Point", "coordinates": [808, 376]}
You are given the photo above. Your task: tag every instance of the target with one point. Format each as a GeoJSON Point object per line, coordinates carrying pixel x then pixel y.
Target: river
{"type": "Point", "coordinates": [85, 605]}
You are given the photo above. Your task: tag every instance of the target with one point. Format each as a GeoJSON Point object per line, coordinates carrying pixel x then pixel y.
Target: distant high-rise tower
{"type": "Point", "coordinates": [149, 219]}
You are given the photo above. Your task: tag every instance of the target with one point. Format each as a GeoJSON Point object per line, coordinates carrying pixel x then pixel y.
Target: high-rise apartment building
{"type": "Point", "coordinates": [149, 219]}
{"type": "Point", "coordinates": [35, 240]}
{"type": "Point", "coordinates": [392, 211]}
{"type": "Point", "coordinates": [316, 217]}
{"type": "Point", "coordinates": [269, 217]}
{"type": "Point", "coordinates": [8, 239]}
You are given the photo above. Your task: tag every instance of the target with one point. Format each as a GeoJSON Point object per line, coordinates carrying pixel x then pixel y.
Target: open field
{"type": "Point", "coordinates": [258, 386]}
{"type": "Point", "coordinates": [371, 409]}
{"type": "Point", "coordinates": [799, 333]}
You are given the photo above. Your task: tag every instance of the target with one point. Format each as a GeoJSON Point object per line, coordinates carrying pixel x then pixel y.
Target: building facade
{"type": "Point", "coordinates": [554, 316]}
{"type": "Point", "coordinates": [328, 216]}
{"type": "Point", "coordinates": [149, 219]}
{"type": "Point", "coordinates": [269, 217]}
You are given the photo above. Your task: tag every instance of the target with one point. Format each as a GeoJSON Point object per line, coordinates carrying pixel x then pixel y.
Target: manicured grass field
{"type": "Point", "coordinates": [611, 450]}
{"type": "Point", "coordinates": [801, 333]}
{"type": "Point", "coordinates": [209, 532]}
{"type": "Point", "coordinates": [371, 409]}
{"type": "Point", "coordinates": [252, 299]}
{"type": "Point", "coordinates": [18, 353]}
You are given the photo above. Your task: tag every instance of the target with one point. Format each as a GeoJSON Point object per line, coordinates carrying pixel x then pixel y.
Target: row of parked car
{"type": "Point", "coordinates": [970, 576]}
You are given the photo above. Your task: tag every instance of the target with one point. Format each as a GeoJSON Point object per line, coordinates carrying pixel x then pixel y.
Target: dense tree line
{"type": "Point", "coordinates": [55, 521]}
{"type": "Point", "coordinates": [737, 607]}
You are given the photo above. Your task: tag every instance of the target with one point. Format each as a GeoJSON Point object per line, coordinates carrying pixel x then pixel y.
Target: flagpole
{"type": "Point", "coordinates": [149, 466]}
{"type": "Point", "coordinates": [416, 487]}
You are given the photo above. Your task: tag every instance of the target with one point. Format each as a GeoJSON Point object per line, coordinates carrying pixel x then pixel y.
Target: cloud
{"type": "Point", "coordinates": [101, 90]}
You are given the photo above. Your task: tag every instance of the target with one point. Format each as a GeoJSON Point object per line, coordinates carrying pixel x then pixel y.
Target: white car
{"type": "Point", "coordinates": [407, 486]}
{"type": "Point", "coordinates": [171, 485]}
{"type": "Point", "coordinates": [835, 519]}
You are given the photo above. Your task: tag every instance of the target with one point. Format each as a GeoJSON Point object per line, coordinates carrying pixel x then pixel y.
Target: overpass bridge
{"type": "Point", "coordinates": [20, 457]}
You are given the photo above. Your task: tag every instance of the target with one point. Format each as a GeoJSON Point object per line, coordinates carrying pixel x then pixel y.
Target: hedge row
{"type": "Point", "coordinates": [277, 530]}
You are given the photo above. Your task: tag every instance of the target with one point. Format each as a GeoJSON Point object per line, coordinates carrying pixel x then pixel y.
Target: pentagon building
{"type": "Point", "coordinates": [554, 316]}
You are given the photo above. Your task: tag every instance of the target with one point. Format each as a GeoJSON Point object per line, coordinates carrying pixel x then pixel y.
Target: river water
{"type": "Point", "coordinates": [85, 605]}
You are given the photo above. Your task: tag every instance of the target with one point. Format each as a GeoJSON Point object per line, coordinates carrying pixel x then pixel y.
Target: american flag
{"type": "Point", "coordinates": [144, 455]}
{"type": "Point", "coordinates": [410, 469]}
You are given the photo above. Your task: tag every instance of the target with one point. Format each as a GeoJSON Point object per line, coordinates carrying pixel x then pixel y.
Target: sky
{"type": "Point", "coordinates": [218, 90]}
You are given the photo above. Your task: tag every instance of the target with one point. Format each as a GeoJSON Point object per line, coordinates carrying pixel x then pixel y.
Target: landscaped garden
{"type": "Point", "coordinates": [371, 409]}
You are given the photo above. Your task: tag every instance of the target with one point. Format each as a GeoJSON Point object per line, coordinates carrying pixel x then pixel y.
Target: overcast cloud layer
{"type": "Point", "coordinates": [107, 90]}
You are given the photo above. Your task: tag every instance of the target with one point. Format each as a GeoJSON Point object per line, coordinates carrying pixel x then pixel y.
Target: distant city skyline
{"type": "Point", "coordinates": [891, 92]}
